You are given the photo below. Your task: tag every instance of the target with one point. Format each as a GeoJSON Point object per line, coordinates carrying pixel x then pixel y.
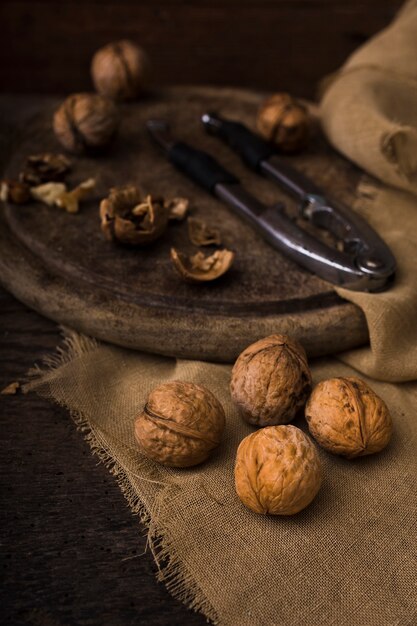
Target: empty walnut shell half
{"type": "Point", "coordinates": [199, 268]}
{"type": "Point", "coordinates": [271, 381]}
{"type": "Point", "coordinates": [284, 121]}
{"type": "Point", "coordinates": [85, 122]}
{"type": "Point", "coordinates": [120, 70]}
{"type": "Point", "coordinates": [180, 425]}
{"type": "Point", "coordinates": [346, 417]}
{"type": "Point", "coordinates": [132, 219]}
{"type": "Point", "coordinates": [277, 470]}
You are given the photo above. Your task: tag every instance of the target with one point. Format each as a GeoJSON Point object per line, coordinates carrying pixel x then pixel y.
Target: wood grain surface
{"type": "Point", "coordinates": [46, 46]}
{"type": "Point", "coordinates": [62, 266]}
{"type": "Point", "coordinates": [71, 552]}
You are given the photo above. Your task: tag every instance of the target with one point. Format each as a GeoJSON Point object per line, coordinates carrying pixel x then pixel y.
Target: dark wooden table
{"type": "Point", "coordinates": [71, 551]}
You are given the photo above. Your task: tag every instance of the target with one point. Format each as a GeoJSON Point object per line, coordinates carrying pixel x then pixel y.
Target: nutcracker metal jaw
{"type": "Point", "coordinates": [364, 262]}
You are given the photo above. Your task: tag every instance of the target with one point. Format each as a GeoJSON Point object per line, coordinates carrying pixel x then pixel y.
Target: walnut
{"type": "Point", "coordinates": [120, 70]}
{"type": "Point", "coordinates": [131, 218]}
{"type": "Point", "coordinates": [49, 193]}
{"type": "Point", "coordinates": [44, 168]}
{"type": "Point", "coordinates": [14, 191]}
{"type": "Point", "coordinates": [202, 235]}
{"type": "Point", "coordinates": [346, 417]}
{"type": "Point", "coordinates": [180, 425]}
{"type": "Point", "coordinates": [199, 268]}
{"type": "Point", "coordinates": [85, 122]}
{"type": "Point", "coordinates": [284, 121]}
{"type": "Point", "coordinates": [277, 470]}
{"type": "Point", "coordinates": [271, 381]}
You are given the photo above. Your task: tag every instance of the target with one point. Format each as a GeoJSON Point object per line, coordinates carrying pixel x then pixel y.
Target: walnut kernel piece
{"type": "Point", "coordinates": [85, 122]}
{"type": "Point", "coordinates": [177, 208]}
{"type": "Point", "coordinates": [70, 200]}
{"type": "Point", "coordinates": [202, 235]}
{"type": "Point", "coordinates": [11, 389]}
{"type": "Point", "coordinates": [284, 121]}
{"type": "Point", "coordinates": [120, 70]}
{"type": "Point", "coordinates": [277, 471]}
{"type": "Point", "coordinates": [48, 193]}
{"type": "Point", "coordinates": [14, 191]}
{"type": "Point", "coordinates": [199, 268]}
{"type": "Point", "coordinates": [45, 168]}
{"type": "Point", "coordinates": [180, 425]}
{"type": "Point", "coordinates": [346, 417]}
{"type": "Point", "coordinates": [271, 381]}
{"type": "Point", "coordinates": [132, 219]}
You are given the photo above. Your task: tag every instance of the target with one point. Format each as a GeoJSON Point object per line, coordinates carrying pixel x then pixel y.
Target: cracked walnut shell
{"type": "Point", "coordinates": [346, 417]}
{"type": "Point", "coordinates": [271, 381]}
{"type": "Point", "coordinates": [85, 122]}
{"type": "Point", "coordinates": [180, 425]}
{"type": "Point", "coordinates": [131, 218]}
{"type": "Point", "coordinates": [277, 470]}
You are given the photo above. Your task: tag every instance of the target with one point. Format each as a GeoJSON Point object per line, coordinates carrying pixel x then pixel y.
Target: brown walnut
{"type": "Point", "coordinates": [120, 70]}
{"type": "Point", "coordinates": [346, 417]}
{"type": "Point", "coordinates": [180, 425]}
{"type": "Point", "coordinates": [284, 121]}
{"type": "Point", "coordinates": [277, 470]}
{"type": "Point", "coordinates": [271, 381]}
{"type": "Point", "coordinates": [14, 191]}
{"type": "Point", "coordinates": [45, 168]}
{"type": "Point", "coordinates": [131, 218]}
{"type": "Point", "coordinates": [85, 122]}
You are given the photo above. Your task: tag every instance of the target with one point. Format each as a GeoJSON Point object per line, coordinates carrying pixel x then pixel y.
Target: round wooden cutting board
{"type": "Point", "coordinates": [61, 265]}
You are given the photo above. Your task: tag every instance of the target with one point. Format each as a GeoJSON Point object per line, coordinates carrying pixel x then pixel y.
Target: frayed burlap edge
{"type": "Point", "coordinates": [171, 570]}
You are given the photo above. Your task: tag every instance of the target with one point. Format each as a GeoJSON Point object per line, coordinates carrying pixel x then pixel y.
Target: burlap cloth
{"type": "Point", "coordinates": [348, 559]}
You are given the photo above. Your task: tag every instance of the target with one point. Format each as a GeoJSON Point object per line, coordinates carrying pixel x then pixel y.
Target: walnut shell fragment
{"type": "Point", "coordinates": [271, 381]}
{"type": "Point", "coordinates": [85, 122]}
{"type": "Point", "coordinates": [132, 219]}
{"type": "Point", "coordinates": [284, 120]}
{"type": "Point", "coordinates": [277, 471]}
{"type": "Point", "coordinates": [199, 268]}
{"type": "Point", "coordinates": [346, 417]}
{"type": "Point", "coordinates": [201, 234]}
{"type": "Point", "coordinates": [180, 425]}
{"type": "Point", "coordinates": [44, 168]}
{"type": "Point", "coordinates": [177, 208]}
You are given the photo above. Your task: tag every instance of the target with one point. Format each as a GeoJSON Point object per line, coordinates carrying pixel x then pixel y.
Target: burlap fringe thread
{"type": "Point", "coordinates": [171, 570]}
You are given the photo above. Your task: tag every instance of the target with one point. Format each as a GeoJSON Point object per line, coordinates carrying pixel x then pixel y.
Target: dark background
{"type": "Point", "coordinates": [71, 550]}
{"type": "Point", "coordinates": [46, 46]}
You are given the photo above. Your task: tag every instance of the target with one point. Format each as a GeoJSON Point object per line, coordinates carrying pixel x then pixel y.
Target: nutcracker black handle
{"type": "Point", "coordinates": [251, 148]}
{"type": "Point", "coordinates": [199, 166]}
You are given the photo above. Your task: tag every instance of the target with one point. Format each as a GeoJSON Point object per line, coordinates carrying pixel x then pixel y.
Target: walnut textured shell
{"type": "Point", "coordinates": [277, 470]}
{"type": "Point", "coordinates": [346, 417]}
{"type": "Point", "coordinates": [284, 121]}
{"type": "Point", "coordinates": [85, 122]}
{"type": "Point", "coordinates": [181, 424]}
{"type": "Point", "coordinates": [271, 381]}
{"type": "Point", "coordinates": [120, 70]}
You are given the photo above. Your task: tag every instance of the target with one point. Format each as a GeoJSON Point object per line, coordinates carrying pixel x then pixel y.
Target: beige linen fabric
{"type": "Point", "coordinates": [350, 558]}
{"type": "Point", "coordinates": [369, 110]}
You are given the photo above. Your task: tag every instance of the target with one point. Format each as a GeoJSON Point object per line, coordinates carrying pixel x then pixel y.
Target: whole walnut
{"type": "Point", "coordinates": [277, 470]}
{"type": "Point", "coordinates": [120, 70]}
{"type": "Point", "coordinates": [180, 425]}
{"type": "Point", "coordinates": [271, 381]}
{"type": "Point", "coordinates": [284, 121]}
{"type": "Point", "coordinates": [85, 122]}
{"type": "Point", "coordinates": [346, 417]}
